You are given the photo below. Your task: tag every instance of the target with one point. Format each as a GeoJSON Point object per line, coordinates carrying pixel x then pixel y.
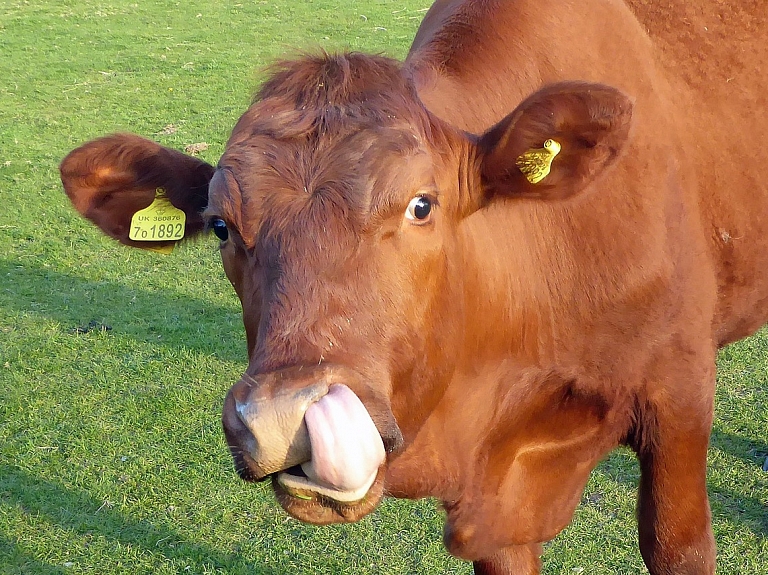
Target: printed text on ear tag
{"type": "Point", "coordinates": [161, 221]}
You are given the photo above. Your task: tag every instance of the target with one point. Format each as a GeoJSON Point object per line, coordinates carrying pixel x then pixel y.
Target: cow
{"type": "Point", "coordinates": [472, 274]}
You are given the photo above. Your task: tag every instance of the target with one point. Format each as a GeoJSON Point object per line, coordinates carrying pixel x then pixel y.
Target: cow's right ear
{"type": "Point", "coordinates": [110, 179]}
{"type": "Point", "coordinates": [556, 142]}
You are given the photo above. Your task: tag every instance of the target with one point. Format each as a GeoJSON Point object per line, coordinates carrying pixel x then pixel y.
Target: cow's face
{"type": "Point", "coordinates": [336, 231]}
{"type": "Point", "coordinates": [339, 205]}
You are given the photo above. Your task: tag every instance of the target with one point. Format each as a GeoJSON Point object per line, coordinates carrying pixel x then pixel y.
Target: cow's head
{"type": "Point", "coordinates": [339, 204]}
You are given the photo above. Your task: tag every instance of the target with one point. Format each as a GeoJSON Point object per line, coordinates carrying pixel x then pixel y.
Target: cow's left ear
{"type": "Point", "coordinates": [556, 142]}
{"type": "Point", "coordinates": [111, 179]}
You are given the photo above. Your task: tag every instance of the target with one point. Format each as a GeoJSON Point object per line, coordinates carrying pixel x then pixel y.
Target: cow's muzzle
{"type": "Point", "coordinates": [320, 431]}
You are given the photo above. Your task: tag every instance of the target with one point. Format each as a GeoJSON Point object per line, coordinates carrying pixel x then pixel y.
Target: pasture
{"type": "Point", "coordinates": [114, 362]}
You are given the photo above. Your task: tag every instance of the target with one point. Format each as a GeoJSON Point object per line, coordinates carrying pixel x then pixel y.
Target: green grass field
{"type": "Point", "coordinates": [114, 362]}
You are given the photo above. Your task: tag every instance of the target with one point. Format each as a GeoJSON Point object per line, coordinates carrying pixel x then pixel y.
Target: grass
{"type": "Point", "coordinates": [114, 363]}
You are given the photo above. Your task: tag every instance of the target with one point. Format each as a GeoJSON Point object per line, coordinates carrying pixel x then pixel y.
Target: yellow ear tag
{"type": "Point", "coordinates": [161, 221]}
{"type": "Point", "coordinates": [536, 164]}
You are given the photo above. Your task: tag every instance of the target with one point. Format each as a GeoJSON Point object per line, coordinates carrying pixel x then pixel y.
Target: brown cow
{"type": "Point", "coordinates": [424, 319]}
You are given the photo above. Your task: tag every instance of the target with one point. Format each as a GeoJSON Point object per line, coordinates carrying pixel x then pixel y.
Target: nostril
{"type": "Point", "coordinates": [393, 441]}
{"type": "Point", "coordinates": [232, 418]}
{"type": "Point", "coordinates": [240, 409]}
{"type": "Point", "coordinates": [241, 442]}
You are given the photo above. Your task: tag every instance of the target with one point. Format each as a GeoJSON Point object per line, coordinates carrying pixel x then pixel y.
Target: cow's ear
{"type": "Point", "coordinates": [556, 142]}
{"type": "Point", "coordinates": [110, 179]}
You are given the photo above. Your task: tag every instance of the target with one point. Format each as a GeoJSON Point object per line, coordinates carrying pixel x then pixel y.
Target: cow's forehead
{"type": "Point", "coordinates": [343, 131]}
{"type": "Point", "coordinates": [313, 97]}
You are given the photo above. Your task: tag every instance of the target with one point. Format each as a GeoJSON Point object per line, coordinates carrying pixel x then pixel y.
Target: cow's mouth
{"type": "Point", "coordinates": [319, 445]}
{"type": "Point", "coordinates": [346, 455]}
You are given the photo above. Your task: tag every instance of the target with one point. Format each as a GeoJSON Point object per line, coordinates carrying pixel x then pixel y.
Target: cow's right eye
{"type": "Point", "coordinates": [419, 210]}
{"type": "Point", "coordinates": [219, 227]}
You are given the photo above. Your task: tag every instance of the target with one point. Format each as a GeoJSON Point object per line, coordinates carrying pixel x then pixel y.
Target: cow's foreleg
{"type": "Point", "coordinates": [673, 508]}
{"type": "Point", "coordinates": [514, 560]}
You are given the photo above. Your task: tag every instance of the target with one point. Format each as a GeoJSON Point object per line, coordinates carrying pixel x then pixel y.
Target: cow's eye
{"type": "Point", "coordinates": [419, 210]}
{"type": "Point", "coordinates": [219, 228]}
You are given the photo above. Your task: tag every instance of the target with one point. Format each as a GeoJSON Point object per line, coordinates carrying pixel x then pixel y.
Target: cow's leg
{"type": "Point", "coordinates": [514, 560]}
{"type": "Point", "coordinates": [673, 508]}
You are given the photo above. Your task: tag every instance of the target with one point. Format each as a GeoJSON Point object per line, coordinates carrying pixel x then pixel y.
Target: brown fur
{"type": "Point", "coordinates": [524, 330]}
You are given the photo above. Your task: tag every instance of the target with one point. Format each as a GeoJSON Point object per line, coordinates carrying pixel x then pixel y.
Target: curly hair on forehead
{"type": "Point", "coordinates": [325, 93]}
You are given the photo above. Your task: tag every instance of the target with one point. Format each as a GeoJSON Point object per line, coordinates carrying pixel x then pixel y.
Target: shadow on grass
{"type": "Point", "coordinates": [736, 507]}
{"type": "Point", "coordinates": [14, 559]}
{"type": "Point", "coordinates": [77, 512]}
{"type": "Point", "coordinates": [751, 451]}
{"type": "Point", "coordinates": [79, 304]}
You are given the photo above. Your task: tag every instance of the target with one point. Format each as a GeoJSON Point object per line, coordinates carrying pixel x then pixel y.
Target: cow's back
{"type": "Point", "coordinates": [694, 71]}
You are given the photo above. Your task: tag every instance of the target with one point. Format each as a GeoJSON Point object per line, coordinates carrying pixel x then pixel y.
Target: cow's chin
{"type": "Point", "coordinates": [311, 506]}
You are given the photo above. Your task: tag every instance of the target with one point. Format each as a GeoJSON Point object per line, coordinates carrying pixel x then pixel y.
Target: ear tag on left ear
{"type": "Point", "coordinates": [161, 221]}
{"type": "Point", "coordinates": [537, 163]}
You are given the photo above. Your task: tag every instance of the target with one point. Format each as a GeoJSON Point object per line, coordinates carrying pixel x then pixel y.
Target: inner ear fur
{"type": "Point", "coordinates": [111, 178]}
{"type": "Point", "coordinates": [591, 122]}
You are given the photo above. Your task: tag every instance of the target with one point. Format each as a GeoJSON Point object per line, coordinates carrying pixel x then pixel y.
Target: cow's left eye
{"type": "Point", "coordinates": [219, 228]}
{"type": "Point", "coordinates": [419, 210]}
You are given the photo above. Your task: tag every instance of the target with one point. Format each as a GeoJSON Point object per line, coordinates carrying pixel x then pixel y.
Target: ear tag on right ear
{"type": "Point", "coordinates": [537, 163]}
{"type": "Point", "coordinates": [161, 221]}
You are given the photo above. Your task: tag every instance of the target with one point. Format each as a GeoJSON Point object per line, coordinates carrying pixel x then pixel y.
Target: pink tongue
{"type": "Point", "coordinates": [346, 447]}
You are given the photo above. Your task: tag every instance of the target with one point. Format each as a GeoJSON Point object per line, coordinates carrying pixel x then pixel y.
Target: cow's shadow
{"type": "Point", "coordinates": [77, 512]}
{"type": "Point", "coordinates": [80, 305]}
{"type": "Point", "coordinates": [622, 467]}
{"type": "Point", "coordinates": [733, 505]}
